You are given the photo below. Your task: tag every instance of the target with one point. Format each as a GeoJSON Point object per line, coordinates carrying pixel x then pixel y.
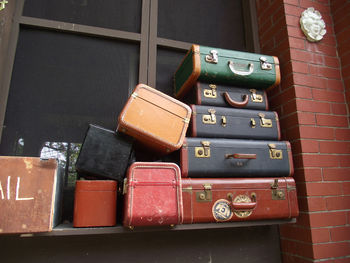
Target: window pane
{"type": "Point", "coordinates": [167, 63]}
{"type": "Point", "coordinates": [60, 84]}
{"type": "Point", "coordinates": [209, 23]}
{"type": "Point", "coordinates": [117, 14]}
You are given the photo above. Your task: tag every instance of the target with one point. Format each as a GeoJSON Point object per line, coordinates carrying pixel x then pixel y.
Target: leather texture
{"type": "Point", "coordinates": [214, 95]}
{"type": "Point", "coordinates": [153, 195]}
{"type": "Point", "coordinates": [221, 122]}
{"type": "Point", "coordinates": [155, 119]}
{"type": "Point", "coordinates": [238, 199]}
{"type": "Point", "coordinates": [104, 154]}
{"type": "Point", "coordinates": [226, 67]}
{"type": "Point", "coordinates": [216, 159]}
{"type": "Point", "coordinates": [95, 203]}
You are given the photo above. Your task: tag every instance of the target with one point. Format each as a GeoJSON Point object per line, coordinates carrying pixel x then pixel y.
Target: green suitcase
{"type": "Point", "coordinates": [222, 66]}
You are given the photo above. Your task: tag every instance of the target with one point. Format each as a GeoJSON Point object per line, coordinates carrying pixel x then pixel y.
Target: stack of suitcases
{"type": "Point", "coordinates": [233, 165]}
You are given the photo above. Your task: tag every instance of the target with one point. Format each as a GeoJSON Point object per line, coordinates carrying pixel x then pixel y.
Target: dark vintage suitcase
{"type": "Point", "coordinates": [104, 154]}
{"type": "Point", "coordinates": [221, 122]}
{"type": "Point", "coordinates": [209, 157]}
{"type": "Point", "coordinates": [95, 203]}
{"type": "Point", "coordinates": [238, 199]}
{"type": "Point", "coordinates": [152, 195]}
{"type": "Point", "coordinates": [228, 96]}
{"type": "Point", "coordinates": [224, 66]}
{"type": "Point", "coordinates": [155, 119]}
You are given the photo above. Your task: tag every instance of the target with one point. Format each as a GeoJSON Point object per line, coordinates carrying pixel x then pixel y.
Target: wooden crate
{"type": "Point", "coordinates": [30, 194]}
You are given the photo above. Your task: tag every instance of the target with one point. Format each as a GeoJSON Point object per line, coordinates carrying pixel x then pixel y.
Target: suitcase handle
{"type": "Point", "coordinates": [241, 156]}
{"type": "Point", "coordinates": [231, 65]}
{"type": "Point", "coordinates": [234, 103]}
{"type": "Point", "coordinates": [243, 206]}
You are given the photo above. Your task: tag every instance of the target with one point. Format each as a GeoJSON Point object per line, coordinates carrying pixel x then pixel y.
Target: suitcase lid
{"type": "Point", "coordinates": [95, 185]}
{"type": "Point", "coordinates": [237, 183]}
{"type": "Point", "coordinates": [179, 111]}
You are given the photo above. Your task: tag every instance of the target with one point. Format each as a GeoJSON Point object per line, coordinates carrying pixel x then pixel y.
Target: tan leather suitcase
{"type": "Point", "coordinates": [155, 119]}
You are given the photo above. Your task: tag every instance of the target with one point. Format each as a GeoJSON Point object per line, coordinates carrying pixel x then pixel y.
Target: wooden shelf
{"type": "Point", "coordinates": [69, 230]}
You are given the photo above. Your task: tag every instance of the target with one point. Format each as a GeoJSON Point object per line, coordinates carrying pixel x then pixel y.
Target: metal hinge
{"type": "Point", "coordinates": [266, 123]}
{"type": "Point", "coordinates": [206, 195]}
{"type": "Point", "coordinates": [277, 194]}
{"type": "Point", "coordinates": [204, 151]}
{"type": "Point", "coordinates": [264, 64]}
{"type": "Point", "coordinates": [212, 57]}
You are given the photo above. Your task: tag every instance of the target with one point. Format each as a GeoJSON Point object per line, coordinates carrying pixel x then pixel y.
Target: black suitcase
{"type": "Point", "coordinates": [221, 122]}
{"type": "Point", "coordinates": [104, 154]}
{"type": "Point", "coordinates": [206, 157]}
{"type": "Point", "coordinates": [227, 96]}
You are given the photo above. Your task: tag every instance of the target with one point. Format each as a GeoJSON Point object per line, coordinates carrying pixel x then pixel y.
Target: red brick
{"type": "Point", "coordinates": [306, 118]}
{"type": "Point", "coordinates": [316, 160]}
{"type": "Point", "coordinates": [300, 67]}
{"type": "Point", "coordinates": [346, 71]}
{"type": "Point", "coordinates": [288, 258]}
{"type": "Point", "coordinates": [316, 204]}
{"type": "Point", "coordinates": [336, 174]}
{"type": "Point", "coordinates": [338, 203]}
{"type": "Point", "coordinates": [331, 120]}
{"type": "Point", "coordinates": [307, 132]}
{"type": "Point", "coordinates": [324, 188]}
{"type": "Point", "coordinates": [346, 188]}
{"type": "Point", "coordinates": [289, 108]}
{"type": "Point", "coordinates": [342, 260]}
{"type": "Point", "coordinates": [334, 147]}
{"type": "Point", "coordinates": [303, 92]}
{"type": "Point", "coordinates": [343, 36]}
{"type": "Point", "coordinates": [295, 233]}
{"type": "Point", "coordinates": [342, 134]}
{"type": "Point", "coordinates": [330, 250]}
{"type": "Point", "coordinates": [312, 106]}
{"type": "Point", "coordinates": [295, 32]}
{"type": "Point", "coordinates": [292, 20]}
{"type": "Point", "coordinates": [320, 235]}
{"type": "Point", "coordinates": [310, 81]}
{"type": "Point", "coordinates": [325, 219]}
{"type": "Point", "coordinates": [308, 175]}
{"type": "Point", "coordinates": [298, 161]}
{"type": "Point", "coordinates": [331, 62]}
{"type": "Point", "coordinates": [335, 84]}
{"type": "Point", "coordinates": [321, 49]}
{"type": "Point", "coordinates": [342, 23]}
{"type": "Point", "coordinates": [297, 43]}
{"type": "Point", "coordinates": [293, 10]}
{"type": "Point", "coordinates": [344, 160]}
{"type": "Point", "coordinates": [293, 133]}
{"type": "Point", "coordinates": [340, 233]}
{"type": "Point", "coordinates": [337, 5]}
{"type": "Point", "coordinates": [297, 248]}
{"type": "Point", "coordinates": [325, 72]}
{"type": "Point", "coordinates": [322, 8]}
{"type": "Point", "coordinates": [289, 121]}
{"type": "Point", "coordinates": [305, 56]}
{"type": "Point", "coordinates": [303, 219]}
{"type": "Point", "coordinates": [292, 2]}
{"type": "Point", "coordinates": [309, 146]}
{"type": "Point", "coordinates": [339, 109]}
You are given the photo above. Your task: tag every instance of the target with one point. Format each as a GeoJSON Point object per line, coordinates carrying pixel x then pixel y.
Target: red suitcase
{"type": "Point", "coordinates": [238, 199]}
{"type": "Point", "coordinates": [152, 195]}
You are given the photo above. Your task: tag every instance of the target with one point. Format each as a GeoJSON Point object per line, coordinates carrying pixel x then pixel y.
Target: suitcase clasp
{"type": "Point", "coordinates": [210, 93]}
{"type": "Point", "coordinates": [256, 97]}
{"type": "Point", "coordinates": [209, 118]}
{"type": "Point", "coordinates": [274, 153]}
{"type": "Point", "coordinates": [264, 64]}
{"type": "Point", "coordinates": [206, 195]}
{"type": "Point", "coordinates": [204, 151]}
{"type": "Point", "coordinates": [266, 123]}
{"type": "Point", "coordinates": [277, 194]}
{"type": "Point", "coordinates": [212, 57]}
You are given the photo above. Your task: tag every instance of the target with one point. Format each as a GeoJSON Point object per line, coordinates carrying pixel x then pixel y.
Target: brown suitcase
{"type": "Point", "coordinates": [238, 199]}
{"type": "Point", "coordinates": [155, 119]}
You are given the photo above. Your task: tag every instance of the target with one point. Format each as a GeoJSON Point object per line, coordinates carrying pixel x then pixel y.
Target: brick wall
{"type": "Point", "coordinates": [312, 106]}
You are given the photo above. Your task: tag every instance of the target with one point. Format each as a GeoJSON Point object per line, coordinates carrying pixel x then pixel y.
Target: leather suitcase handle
{"type": "Point", "coordinates": [241, 156]}
{"type": "Point", "coordinates": [234, 103]}
{"type": "Point", "coordinates": [231, 65]}
{"type": "Point", "coordinates": [243, 206]}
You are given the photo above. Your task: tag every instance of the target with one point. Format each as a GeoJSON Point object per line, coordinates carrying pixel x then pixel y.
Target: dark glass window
{"type": "Point", "coordinates": [116, 14]}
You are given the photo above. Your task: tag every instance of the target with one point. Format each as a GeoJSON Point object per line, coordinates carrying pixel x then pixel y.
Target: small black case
{"type": "Point", "coordinates": [104, 154]}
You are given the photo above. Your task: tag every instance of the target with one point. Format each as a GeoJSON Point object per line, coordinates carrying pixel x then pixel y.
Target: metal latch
{"type": "Point", "coordinates": [223, 121]}
{"type": "Point", "coordinates": [204, 151]}
{"type": "Point", "coordinates": [277, 194]}
{"type": "Point", "coordinates": [212, 57]}
{"type": "Point", "coordinates": [206, 195]}
{"type": "Point", "coordinates": [256, 97]}
{"type": "Point", "coordinates": [125, 183]}
{"type": "Point", "coordinates": [252, 123]}
{"type": "Point", "coordinates": [264, 64]}
{"type": "Point", "coordinates": [275, 153]}
{"type": "Point", "coordinates": [210, 93]}
{"type": "Point", "coordinates": [211, 118]}
{"type": "Point", "coordinates": [266, 123]}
